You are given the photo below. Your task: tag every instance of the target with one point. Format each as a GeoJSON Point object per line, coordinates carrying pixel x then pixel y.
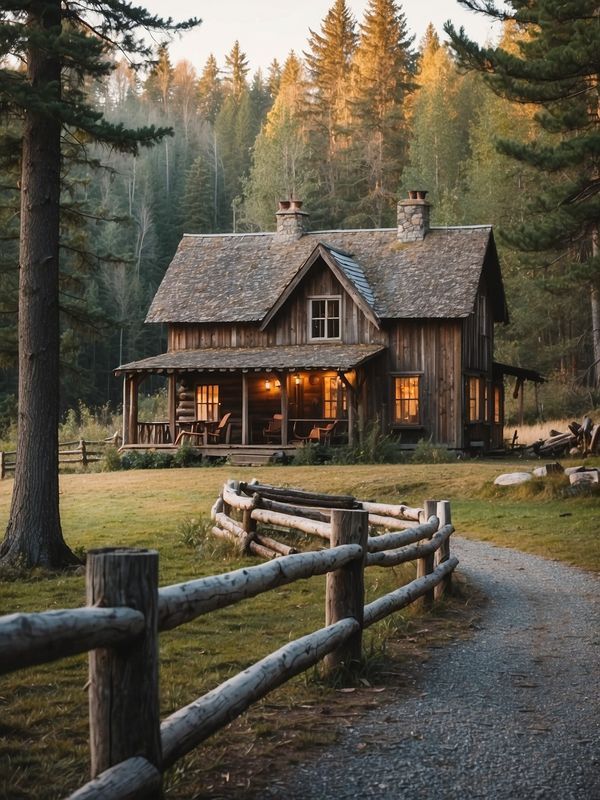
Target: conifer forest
{"type": "Point", "coordinates": [505, 133]}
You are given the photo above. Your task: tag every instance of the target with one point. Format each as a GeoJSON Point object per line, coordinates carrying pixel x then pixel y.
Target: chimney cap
{"type": "Point", "coordinates": [417, 194]}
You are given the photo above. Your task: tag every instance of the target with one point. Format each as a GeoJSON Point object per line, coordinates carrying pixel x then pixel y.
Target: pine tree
{"type": "Point", "coordinates": [234, 135]}
{"type": "Point", "coordinates": [556, 69]}
{"type": "Point", "coordinates": [210, 90]}
{"type": "Point", "coordinates": [280, 165]}
{"type": "Point", "coordinates": [60, 45]}
{"type": "Point", "coordinates": [329, 60]}
{"type": "Point", "coordinates": [236, 71]}
{"type": "Point", "coordinates": [197, 205]}
{"type": "Point", "coordinates": [383, 65]}
{"type": "Point", "coordinates": [439, 121]}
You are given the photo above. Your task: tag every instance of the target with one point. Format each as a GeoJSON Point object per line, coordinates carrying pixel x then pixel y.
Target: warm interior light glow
{"type": "Point", "coordinates": [268, 385]}
{"type": "Point", "coordinates": [278, 384]}
{"type": "Point", "coordinates": [298, 380]}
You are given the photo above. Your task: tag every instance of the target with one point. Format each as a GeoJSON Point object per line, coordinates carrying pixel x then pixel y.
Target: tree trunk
{"type": "Point", "coordinates": [595, 303]}
{"type": "Point", "coordinates": [34, 536]}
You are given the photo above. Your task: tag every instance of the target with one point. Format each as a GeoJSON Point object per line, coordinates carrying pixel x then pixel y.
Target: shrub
{"type": "Point", "coordinates": [111, 460]}
{"type": "Point", "coordinates": [310, 453]}
{"type": "Point", "coordinates": [376, 448]}
{"type": "Point", "coordinates": [186, 456]}
{"type": "Point", "coordinates": [428, 453]}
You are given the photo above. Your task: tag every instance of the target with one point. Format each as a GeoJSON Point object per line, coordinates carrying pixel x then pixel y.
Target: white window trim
{"type": "Point", "coordinates": [312, 338]}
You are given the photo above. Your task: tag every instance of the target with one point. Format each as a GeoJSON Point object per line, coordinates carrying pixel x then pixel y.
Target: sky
{"type": "Point", "coordinates": [269, 29]}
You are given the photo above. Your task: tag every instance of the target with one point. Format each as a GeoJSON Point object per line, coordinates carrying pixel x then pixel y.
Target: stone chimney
{"type": "Point", "coordinates": [292, 223]}
{"type": "Point", "coordinates": [413, 217]}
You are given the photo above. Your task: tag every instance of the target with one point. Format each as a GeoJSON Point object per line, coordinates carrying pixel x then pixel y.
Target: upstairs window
{"type": "Point", "coordinates": [324, 317]}
{"type": "Point", "coordinates": [407, 391]}
{"type": "Point", "coordinates": [207, 403]}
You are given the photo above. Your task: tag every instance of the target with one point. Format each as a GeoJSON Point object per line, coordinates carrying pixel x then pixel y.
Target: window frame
{"type": "Point", "coordinates": [327, 298]}
{"type": "Point", "coordinates": [397, 401]}
{"type": "Point", "coordinates": [473, 401]}
{"type": "Point", "coordinates": [211, 403]}
{"type": "Point", "coordinates": [334, 397]}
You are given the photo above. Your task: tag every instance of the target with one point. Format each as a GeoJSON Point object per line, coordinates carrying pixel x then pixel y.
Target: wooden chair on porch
{"type": "Point", "coordinates": [272, 433]}
{"type": "Point", "coordinates": [320, 434]}
{"type": "Point", "coordinates": [221, 432]}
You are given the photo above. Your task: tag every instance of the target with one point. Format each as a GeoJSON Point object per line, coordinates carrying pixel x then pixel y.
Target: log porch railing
{"type": "Point", "coordinates": [130, 746]}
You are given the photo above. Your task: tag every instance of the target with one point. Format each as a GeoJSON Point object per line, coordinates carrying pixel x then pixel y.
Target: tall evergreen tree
{"type": "Point", "coordinates": [440, 118]}
{"type": "Point", "coordinates": [280, 166]}
{"type": "Point", "coordinates": [61, 43]}
{"type": "Point", "coordinates": [234, 135]}
{"type": "Point", "coordinates": [329, 59]}
{"type": "Point", "coordinates": [557, 68]}
{"type": "Point", "coordinates": [383, 66]}
{"type": "Point", "coordinates": [210, 90]}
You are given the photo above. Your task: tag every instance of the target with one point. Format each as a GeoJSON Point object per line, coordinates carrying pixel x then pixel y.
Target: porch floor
{"type": "Point", "coordinates": [239, 454]}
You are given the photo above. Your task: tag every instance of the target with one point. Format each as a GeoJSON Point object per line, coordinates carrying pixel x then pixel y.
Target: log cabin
{"type": "Point", "coordinates": [297, 335]}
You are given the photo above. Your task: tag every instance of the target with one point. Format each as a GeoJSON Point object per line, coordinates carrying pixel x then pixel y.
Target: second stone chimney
{"type": "Point", "coordinates": [413, 217]}
{"type": "Point", "coordinates": [292, 222]}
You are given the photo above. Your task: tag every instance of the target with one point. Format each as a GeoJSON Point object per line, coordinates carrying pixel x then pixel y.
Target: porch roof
{"type": "Point", "coordinates": [339, 357]}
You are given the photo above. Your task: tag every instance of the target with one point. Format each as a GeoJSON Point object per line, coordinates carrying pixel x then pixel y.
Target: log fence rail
{"type": "Point", "coordinates": [79, 451]}
{"type": "Point", "coordinates": [130, 747]}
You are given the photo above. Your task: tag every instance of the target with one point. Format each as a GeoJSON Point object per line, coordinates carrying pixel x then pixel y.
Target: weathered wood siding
{"type": "Point", "coordinates": [478, 335]}
{"type": "Point", "coordinates": [432, 349]}
{"type": "Point", "coordinates": [290, 326]}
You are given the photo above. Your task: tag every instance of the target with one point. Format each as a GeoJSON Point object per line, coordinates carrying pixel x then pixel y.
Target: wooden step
{"type": "Point", "coordinates": [250, 459]}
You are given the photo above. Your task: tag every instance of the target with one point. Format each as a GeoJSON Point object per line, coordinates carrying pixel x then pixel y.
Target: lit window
{"type": "Point", "coordinates": [474, 399]}
{"type": "Point", "coordinates": [497, 404]}
{"type": "Point", "coordinates": [207, 403]}
{"type": "Point", "coordinates": [325, 318]}
{"type": "Point", "coordinates": [406, 400]}
{"type": "Point", "coordinates": [334, 397]}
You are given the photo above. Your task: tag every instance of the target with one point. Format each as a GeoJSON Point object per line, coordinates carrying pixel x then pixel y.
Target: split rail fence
{"type": "Point", "coordinates": [130, 746]}
{"type": "Point", "coordinates": [79, 451]}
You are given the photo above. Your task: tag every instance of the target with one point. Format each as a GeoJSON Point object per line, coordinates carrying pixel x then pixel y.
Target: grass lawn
{"type": "Point", "coordinates": [43, 728]}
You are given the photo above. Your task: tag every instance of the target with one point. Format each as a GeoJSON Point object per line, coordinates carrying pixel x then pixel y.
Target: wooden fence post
{"type": "Point", "coordinates": [443, 554]}
{"type": "Point", "coordinates": [83, 448]}
{"type": "Point", "coordinates": [425, 564]}
{"type": "Point", "coordinates": [2, 467]}
{"type": "Point", "coordinates": [345, 587]}
{"type": "Point", "coordinates": [123, 680]}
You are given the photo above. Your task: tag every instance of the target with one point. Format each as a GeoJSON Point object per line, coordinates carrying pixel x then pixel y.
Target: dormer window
{"type": "Point", "coordinates": [324, 315]}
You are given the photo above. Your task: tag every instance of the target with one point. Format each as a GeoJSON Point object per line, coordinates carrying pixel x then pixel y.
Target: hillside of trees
{"type": "Point", "coordinates": [347, 125]}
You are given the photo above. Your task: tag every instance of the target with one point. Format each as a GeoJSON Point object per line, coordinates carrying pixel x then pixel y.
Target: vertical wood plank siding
{"type": "Point", "coordinates": [439, 350]}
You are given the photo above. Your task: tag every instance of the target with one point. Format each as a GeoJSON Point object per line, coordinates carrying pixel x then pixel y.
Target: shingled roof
{"type": "Point", "coordinates": [326, 356]}
{"type": "Point", "coordinates": [240, 277]}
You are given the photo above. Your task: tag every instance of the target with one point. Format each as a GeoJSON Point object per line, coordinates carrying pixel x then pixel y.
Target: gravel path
{"type": "Point", "coordinates": [512, 713]}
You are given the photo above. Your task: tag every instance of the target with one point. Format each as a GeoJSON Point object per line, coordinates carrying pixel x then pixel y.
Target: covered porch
{"type": "Point", "coordinates": [222, 399]}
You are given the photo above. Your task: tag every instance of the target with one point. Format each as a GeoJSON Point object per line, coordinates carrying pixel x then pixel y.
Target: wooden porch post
{"type": "Point", "coordinates": [126, 408]}
{"type": "Point", "coordinates": [244, 408]}
{"type": "Point", "coordinates": [284, 408]}
{"type": "Point", "coordinates": [351, 396]}
{"type": "Point", "coordinates": [133, 409]}
{"type": "Point", "coordinates": [172, 404]}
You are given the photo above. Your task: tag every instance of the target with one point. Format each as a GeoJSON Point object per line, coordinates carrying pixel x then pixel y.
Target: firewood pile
{"type": "Point", "coordinates": [580, 440]}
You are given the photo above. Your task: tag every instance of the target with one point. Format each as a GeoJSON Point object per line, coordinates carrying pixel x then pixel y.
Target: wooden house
{"type": "Point", "coordinates": [299, 335]}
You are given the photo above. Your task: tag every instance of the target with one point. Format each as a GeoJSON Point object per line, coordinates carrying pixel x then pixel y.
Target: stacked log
{"type": "Point", "coordinates": [581, 439]}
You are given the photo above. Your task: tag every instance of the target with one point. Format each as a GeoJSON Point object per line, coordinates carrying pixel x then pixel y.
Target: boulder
{"type": "Point", "coordinates": [588, 477]}
{"type": "Point", "coordinates": [548, 469]}
{"type": "Point", "coordinates": [513, 478]}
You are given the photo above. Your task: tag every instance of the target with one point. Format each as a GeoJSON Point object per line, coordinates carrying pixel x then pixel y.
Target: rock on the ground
{"type": "Point", "coordinates": [589, 476]}
{"type": "Point", "coordinates": [513, 478]}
